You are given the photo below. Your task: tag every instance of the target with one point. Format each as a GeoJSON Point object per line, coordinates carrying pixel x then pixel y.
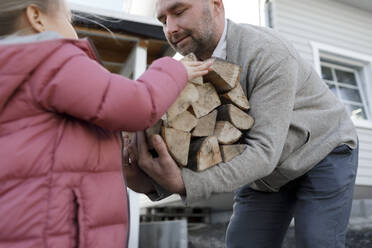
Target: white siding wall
{"type": "Point", "coordinates": [324, 21]}
{"type": "Point", "coordinates": [365, 157]}
{"type": "Point", "coordinates": [335, 24]}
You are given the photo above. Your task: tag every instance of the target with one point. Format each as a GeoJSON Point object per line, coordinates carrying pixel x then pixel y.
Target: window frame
{"type": "Point", "coordinates": [353, 59]}
{"type": "Point", "coordinates": [359, 87]}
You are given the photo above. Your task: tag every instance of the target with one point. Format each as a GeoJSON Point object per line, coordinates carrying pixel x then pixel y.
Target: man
{"type": "Point", "coordinates": [301, 155]}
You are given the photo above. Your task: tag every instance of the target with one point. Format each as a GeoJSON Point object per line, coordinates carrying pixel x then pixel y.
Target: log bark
{"type": "Point", "coordinates": [225, 76]}
{"type": "Point", "coordinates": [207, 102]}
{"type": "Point", "coordinates": [178, 143]}
{"type": "Point", "coordinates": [206, 125]}
{"type": "Point", "coordinates": [229, 152]}
{"type": "Point", "coordinates": [235, 116]}
{"type": "Point", "coordinates": [184, 122]}
{"type": "Point", "coordinates": [237, 97]}
{"type": "Point", "coordinates": [188, 96]}
{"type": "Point", "coordinates": [226, 133]}
{"type": "Point", "coordinates": [204, 153]}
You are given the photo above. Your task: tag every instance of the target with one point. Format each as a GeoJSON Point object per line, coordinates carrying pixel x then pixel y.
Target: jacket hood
{"type": "Point", "coordinates": [21, 56]}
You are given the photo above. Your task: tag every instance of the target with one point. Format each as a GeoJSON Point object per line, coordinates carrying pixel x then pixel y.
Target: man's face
{"type": "Point", "coordinates": [188, 26]}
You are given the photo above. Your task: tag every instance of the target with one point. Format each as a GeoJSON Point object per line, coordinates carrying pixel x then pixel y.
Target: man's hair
{"type": "Point", "coordinates": [11, 10]}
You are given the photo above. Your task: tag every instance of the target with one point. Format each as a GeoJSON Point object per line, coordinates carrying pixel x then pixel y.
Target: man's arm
{"type": "Point", "coordinates": [272, 102]}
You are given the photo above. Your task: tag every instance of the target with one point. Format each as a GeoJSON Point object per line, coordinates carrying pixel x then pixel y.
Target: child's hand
{"type": "Point", "coordinates": [197, 68]}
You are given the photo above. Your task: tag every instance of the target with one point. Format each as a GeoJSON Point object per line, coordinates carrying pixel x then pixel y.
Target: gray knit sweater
{"type": "Point", "coordinates": [298, 120]}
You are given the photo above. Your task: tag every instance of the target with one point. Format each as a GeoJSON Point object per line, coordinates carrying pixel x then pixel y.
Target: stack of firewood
{"type": "Point", "coordinates": [203, 127]}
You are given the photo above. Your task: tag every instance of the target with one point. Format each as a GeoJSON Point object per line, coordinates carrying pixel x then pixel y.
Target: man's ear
{"type": "Point", "coordinates": [218, 4]}
{"type": "Point", "coordinates": [36, 18]}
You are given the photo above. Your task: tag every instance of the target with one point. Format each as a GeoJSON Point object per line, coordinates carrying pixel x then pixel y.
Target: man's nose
{"type": "Point", "coordinates": [172, 26]}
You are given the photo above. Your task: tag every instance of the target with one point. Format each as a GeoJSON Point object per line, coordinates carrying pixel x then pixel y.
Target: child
{"type": "Point", "coordinates": [61, 181]}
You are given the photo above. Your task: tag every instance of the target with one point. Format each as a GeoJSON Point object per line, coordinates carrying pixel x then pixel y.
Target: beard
{"type": "Point", "coordinates": [193, 45]}
{"type": "Point", "coordinates": [202, 39]}
{"type": "Point", "coordinates": [201, 44]}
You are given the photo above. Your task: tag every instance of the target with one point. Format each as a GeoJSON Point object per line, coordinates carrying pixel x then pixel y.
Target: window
{"type": "Point", "coordinates": [349, 76]}
{"type": "Point", "coordinates": [345, 83]}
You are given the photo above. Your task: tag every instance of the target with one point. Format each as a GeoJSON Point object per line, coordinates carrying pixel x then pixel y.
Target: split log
{"type": "Point", "coordinates": [207, 102]}
{"type": "Point", "coordinates": [225, 76]}
{"type": "Point", "coordinates": [235, 116]}
{"type": "Point", "coordinates": [178, 144]}
{"type": "Point", "coordinates": [192, 57]}
{"type": "Point", "coordinates": [188, 96]}
{"type": "Point", "coordinates": [204, 153]}
{"type": "Point", "coordinates": [226, 133]}
{"type": "Point", "coordinates": [198, 113]}
{"type": "Point", "coordinates": [206, 125]}
{"type": "Point", "coordinates": [184, 122]}
{"type": "Point", "coordinates": [237, 97]}
{"type": "Point", "coordinates": [229, 152]}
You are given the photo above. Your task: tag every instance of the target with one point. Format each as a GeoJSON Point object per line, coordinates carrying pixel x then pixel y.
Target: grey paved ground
{"type": "Point", "coordinates": [212, 236]}
{"type": "Point", "coordinates": [354, 239]}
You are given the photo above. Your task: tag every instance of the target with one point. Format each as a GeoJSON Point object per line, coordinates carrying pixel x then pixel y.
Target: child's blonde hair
{"type": "Point", "coordinates": [11, 10]}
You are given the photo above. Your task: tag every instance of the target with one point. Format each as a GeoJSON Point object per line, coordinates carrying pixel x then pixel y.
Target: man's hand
{"type": "Point", "coordinates": [163, 169]}
{"type": "Point", "coordinates": [136, 179]}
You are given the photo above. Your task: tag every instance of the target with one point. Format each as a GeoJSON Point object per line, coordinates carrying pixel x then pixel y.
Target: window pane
{"type": "Point", "coordinates": [346, 77]}
{"type": "Point", "coordinates": [332, 88]}
{"type": "Point", "coordinates": [350, 94]}
{"type": "Point", "coordinates": [356, 112]}
{"type": "Point", "coordinates": [327, 73]}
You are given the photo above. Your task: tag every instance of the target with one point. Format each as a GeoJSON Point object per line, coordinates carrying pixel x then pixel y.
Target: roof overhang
{"type": "Point", "coordinates": [115, 14]}
{"type": "Point", "coordinates": [118, 21]}
{"type": "Point", "coordinates": [117, 35]}
{"type": "Point", "coordinates": [361, 4]}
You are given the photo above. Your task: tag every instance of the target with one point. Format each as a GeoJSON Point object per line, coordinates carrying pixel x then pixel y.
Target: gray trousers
{"type": "Point", "coordinates": [319, 201]}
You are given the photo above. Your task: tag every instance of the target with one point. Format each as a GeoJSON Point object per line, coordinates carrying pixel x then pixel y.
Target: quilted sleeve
{"type": "Point", "coordinates": [85, 90]}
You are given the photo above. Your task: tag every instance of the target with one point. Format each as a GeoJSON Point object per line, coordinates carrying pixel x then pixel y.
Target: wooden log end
{"type": "Point", "coordinates": [205, 153]}
{"type": "Point", "coordinates": [184, 122]}
{"type": "Point", "coordinates": [229, 152]}
{"type": "Point", "coordinates": [197, 81]}
{"type": "Point", "coordinates": [206, 125]}
{"type": "Point", "coordinates": [189, 95]}
{"type": "Point", "coordinates": [226, 133]}
{"type": "Point", "coordinates": [178, 144]}
{"type": "Point", "coordinates": [235, 116]}
{"type": "Point", "coordinates": [237, 97]}
{"type": "Point", "coordinates": [207, 102]}
{"type": "Point", "coordinates": [224, 76]}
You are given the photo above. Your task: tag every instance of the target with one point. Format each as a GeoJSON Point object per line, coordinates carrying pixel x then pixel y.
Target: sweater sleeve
{"type": "Point", "coordinates": [85, 90]}
{"type": "Point", "coordinates": [272, 102]}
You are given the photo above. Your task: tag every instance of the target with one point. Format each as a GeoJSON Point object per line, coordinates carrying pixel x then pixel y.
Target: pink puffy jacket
{"type": "Point", "coordinates": [61, 182]}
